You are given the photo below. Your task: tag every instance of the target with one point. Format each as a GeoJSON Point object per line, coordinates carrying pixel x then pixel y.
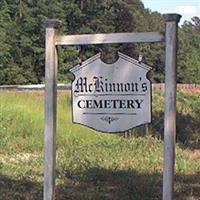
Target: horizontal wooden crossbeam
{"type": "Point", "coordinates": [109, 38]}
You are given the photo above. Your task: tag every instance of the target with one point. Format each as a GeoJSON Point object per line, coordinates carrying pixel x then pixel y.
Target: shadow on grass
{"type": "Point", "coordinates": [97, 183]}
{"type": "Point", "coordinates": [188, 129]}
{"type": "Point", "coordinates": [128, 185]}
{"type": "Point", "coordinates": [102, 184]}
{"type": "Point", "coordinates": [187, 187]}
{"type": "Point", "coordinates": [23, 189]}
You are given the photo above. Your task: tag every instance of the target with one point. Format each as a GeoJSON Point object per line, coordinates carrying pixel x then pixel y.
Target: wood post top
{"type": "Point", "coordinates": [52, 23]}
{"type": "Point", "coordinates": [172, 17]}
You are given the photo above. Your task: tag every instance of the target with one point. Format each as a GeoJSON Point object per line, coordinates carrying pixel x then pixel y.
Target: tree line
{"type": "Point", "coordinates": [22, 37]}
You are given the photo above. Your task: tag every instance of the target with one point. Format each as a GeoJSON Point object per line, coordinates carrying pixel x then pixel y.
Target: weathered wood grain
{"type": "Point", "coordinates": [170, 104]}
{"type": "Point", "coordinates": [106, 38]}
{"type": "Point", "coordinates": [50, 110]}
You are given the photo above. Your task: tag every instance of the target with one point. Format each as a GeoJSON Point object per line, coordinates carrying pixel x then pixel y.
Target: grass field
{"type": "Point", "coordinates": [92, 165]}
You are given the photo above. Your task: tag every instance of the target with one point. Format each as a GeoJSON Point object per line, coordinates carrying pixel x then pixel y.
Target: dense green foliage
{"type": "Point", "coordinates": [22, 37]}
{"type": "Point", "coordinates": [91, 165]}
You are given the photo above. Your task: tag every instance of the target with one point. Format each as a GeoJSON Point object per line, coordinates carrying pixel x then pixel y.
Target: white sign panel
{"type": "Point", "coordinates": [111, 97]}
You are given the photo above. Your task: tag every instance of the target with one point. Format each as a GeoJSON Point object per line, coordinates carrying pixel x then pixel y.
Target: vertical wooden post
{"type": "Point", "coordinates": [170, 104]}
{"type": "Point", "coordinates": [50, 109]}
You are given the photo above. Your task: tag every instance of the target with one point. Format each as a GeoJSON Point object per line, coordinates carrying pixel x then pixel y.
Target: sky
{"type": "Point", "coordinates": [187, 8]}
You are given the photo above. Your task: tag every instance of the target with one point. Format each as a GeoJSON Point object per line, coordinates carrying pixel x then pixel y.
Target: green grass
{"type": "Point", "coordinates": [92, 165]}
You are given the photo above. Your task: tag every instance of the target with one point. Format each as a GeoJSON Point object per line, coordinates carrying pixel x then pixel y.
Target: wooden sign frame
{"type": "Point", "coordinates": [51, 64]}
